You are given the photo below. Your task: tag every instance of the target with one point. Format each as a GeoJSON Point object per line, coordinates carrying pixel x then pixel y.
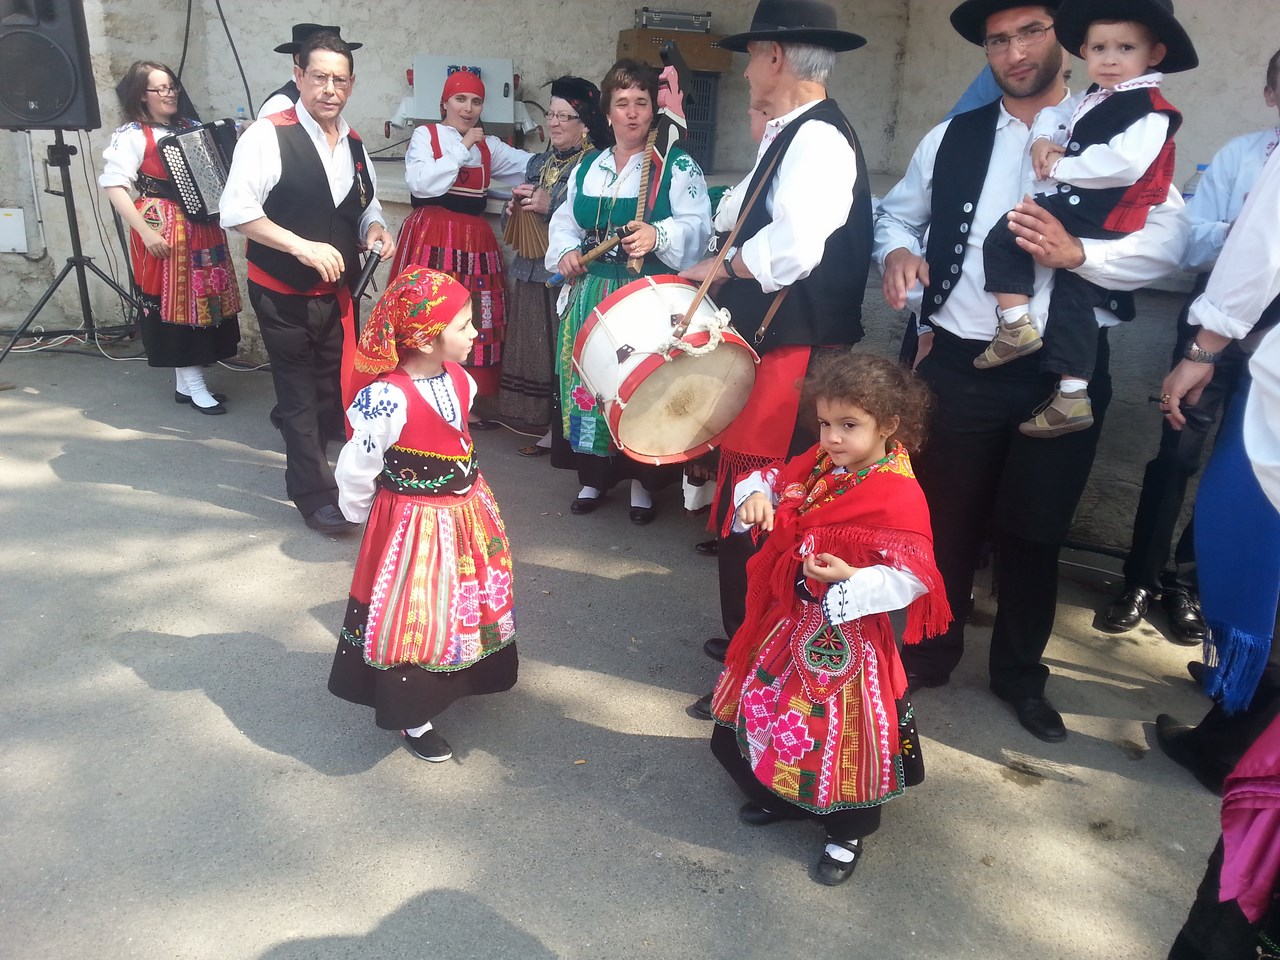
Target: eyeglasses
{"type": "Point", "coordinates": [1032, 36]}
{"type": "Point", "coordinates": [562, 117]}
{"type": "Point", "coordinates": [172, 90]}
{"type": "Point", "coordinates": [322, 80]}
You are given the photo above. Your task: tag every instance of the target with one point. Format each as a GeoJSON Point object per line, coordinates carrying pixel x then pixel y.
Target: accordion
{"type": "Point", "coordinates": [197, 161]}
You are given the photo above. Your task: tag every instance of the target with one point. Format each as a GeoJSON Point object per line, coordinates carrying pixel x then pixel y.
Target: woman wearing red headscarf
{"type": "Point", "coordinates": [448, 169]}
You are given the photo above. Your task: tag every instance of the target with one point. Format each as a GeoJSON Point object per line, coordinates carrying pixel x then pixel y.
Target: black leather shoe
{"type": "Point", "coordinates": [184, 398]}
{"type": "Point", "coordinates": [643, 515]}
{"type": "Point", "coordinates": [1186, 623]}
{"type": "Point", "coordinates": [583, 505]}
{"type": "Point", "coordinates": [708, 548]}
{"type": "Point", "coordinates": [833, 872]}
{"type": "Point", "coordinates": [329, 519]}
{"type": "Point", "coordinates": [755, 815]}
{"type": "Point", "coordinates": [1038, 718]}
{"type": "Point", "coordinates": [1172, 739]}
{"type": "Point", "coordinates": [716, 648]}
{"type": "Point", "coordinates": [1195, 670]}
{"type": "Point", "coordinates": [1127, 610]}
{"type": "Point", "coordinates": [482, 424]}
{"type": "Point", "coordinates": [700, 709]}
{"type": "Point", "coordinates": [915, 682]}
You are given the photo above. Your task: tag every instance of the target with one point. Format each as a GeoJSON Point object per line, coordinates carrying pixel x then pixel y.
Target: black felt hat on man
{"type": "Point", "coordinates": [1074, 17]}
{"type": "Point", "coordinates": [794, 21]}
{"type": "Point", "coordinates": [302, 32]}
{"type": "Point", "coordinates": [970, 18]}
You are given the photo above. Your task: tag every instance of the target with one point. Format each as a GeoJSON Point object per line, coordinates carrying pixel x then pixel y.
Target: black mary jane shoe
{"type": "Point", "coordinates": [185, 398]}
{"type": "Point", "coordinates": [581, 505]}
{"type": "Point", "coordinates": [832, 872]}
{"type": "Point", "coordinates": [216, 410]}
{"type": "Point", "coordinates": [643, 515]}
{"type": "Point", "coordinates": [754, 815]}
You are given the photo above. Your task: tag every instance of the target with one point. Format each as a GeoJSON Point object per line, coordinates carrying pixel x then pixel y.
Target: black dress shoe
{"type": "Point", "coordinates": [1195, 669]}
{"type": "Point", "coordinates": [582, 505]}
{"type": "Point", "coordinates": [1038, 718]}
{"type": "Point", "coordinates": [700, 709]}
{"type": "Point", "coordinates": [482, 424]}
{"type": "Point", "coordinates": [643, 515]}
{"type": "Point", "coordinates": [755, 815]}
{"type": "Point", "coordinates": [184, 398]}
{"type": "Point", "coordinates": [916, 682]}
{"type": "Point", "coordinates": [1186, 623]}
{"type": "Point", "coordinates": [1173, 739]}
{"type": "Point", "coordinates": [216, 410]}
{"type": "Point", "coordinates": [833, 872]}
{"type": "Point", "coordinates": [329, 519]}
{"type": "Point", "coordinates": [716, 648]}
{"type": "Point", "coordinates": [1126, 610]}
{"type": "Point", "coordinates": [708, 548]}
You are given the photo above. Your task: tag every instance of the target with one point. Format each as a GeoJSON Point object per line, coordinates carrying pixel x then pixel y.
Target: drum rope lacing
{"type": "Point", "coordinates": [714, 325]}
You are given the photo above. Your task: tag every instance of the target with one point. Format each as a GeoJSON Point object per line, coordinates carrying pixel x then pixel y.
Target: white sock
{"type": "Point", "coordinates": [1071, 385]}
{"type": "Point", "coordinates": [181, 386]}
{"type": "Point", "coordinates": [588, 493]}
{"type": "Point", "coordinates": [843, 854]}
{"type": "Point", "coordinates": [1014, 314]}
{"type": "Point", "coordinates": [639, 495]}
{"type": "Point", "coordinates": [418, 731]}
{"type": "Point", "coordinates": [196, 389]}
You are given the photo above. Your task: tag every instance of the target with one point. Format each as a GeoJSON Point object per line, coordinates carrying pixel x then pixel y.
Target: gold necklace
{"type": "Point", "coordinates": [555, 168]}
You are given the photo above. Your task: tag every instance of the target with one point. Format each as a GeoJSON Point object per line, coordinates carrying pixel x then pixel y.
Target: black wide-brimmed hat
{"type": "Point", "coordinates": [1074, 17]}
{"type": "Point", "coordinates": [970, 18]}
{"type": "Point", "coordinates": [794, 21]}
{"type": "Point", "coordinates": [302, 32]}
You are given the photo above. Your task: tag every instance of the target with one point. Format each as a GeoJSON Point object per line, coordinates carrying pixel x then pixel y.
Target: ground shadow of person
{"type": "Point", "coordinates": [274, 696]}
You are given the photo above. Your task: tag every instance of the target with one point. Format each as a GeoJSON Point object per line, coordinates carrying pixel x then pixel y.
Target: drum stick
{"type": "Point", "coordinates": [595, 253]}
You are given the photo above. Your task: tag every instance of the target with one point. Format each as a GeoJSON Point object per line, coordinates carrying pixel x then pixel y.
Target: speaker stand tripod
{"type": "Point", "coordinates": [60, 154]}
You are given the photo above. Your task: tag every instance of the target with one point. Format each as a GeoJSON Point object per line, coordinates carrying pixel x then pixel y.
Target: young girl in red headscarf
{"type": "Point", "coordinates": [448, 167]}
{"type": "Point", "coordinates": [813, 720]}
{"type": "Point", "coordinates": [429, 619]}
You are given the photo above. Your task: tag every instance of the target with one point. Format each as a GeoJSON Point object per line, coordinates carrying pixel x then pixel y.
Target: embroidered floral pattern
{"type": "Point", "coordinates": [372, 409]}
{"type": "Point", "coordinates": [583, 398]}
{"type": "Point", "coordinates": [469, 603]}
{"type": "Point", "coordinates": [791, 739]}
{"type": "Point", "coordinates": [498, 589]}
{"type": "Point", "coordinates": [757, 708]}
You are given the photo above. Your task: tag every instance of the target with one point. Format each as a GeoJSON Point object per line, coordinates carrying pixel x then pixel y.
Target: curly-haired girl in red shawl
{"type": "Point", "coordinates": [811, 709]}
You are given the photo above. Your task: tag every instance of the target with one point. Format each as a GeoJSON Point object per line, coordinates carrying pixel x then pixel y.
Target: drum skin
{"type": "Point", "coordinates": [662, 407]}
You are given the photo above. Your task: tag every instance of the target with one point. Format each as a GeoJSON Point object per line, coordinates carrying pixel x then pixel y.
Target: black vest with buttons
{"type": "Point", "coordinates": [959, 173]}
{"type": "Point", "coordinates": [302, 202]}
{"type": "Point", "coordinates": [825, 308]}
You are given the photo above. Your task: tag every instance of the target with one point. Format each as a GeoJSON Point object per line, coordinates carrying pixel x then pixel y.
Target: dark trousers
{"type": "Point", "coordinates": [303, 338]}
{"type": "Point", "coordinates": [986, 482]}
{"type": "Point", "coordinates": [1071, 333]}
{"type": "Point", "coordinates": [1164, 484]}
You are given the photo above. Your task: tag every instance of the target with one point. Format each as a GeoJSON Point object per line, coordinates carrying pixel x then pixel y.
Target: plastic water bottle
{"type": "Point", "coordinates": [1189, 188]}
{"type": "Point", "coordinates": [242, 120]}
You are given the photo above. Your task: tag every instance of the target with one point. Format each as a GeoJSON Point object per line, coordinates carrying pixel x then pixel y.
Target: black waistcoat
{"type": "Point", "coordinates": [290, 90]}
{"type": "Point", "coordinates": [959, 173]}
{"type": "Point", "coordinates": [302, 202]}
{"type": "Point", "coordinates": [825, 308]}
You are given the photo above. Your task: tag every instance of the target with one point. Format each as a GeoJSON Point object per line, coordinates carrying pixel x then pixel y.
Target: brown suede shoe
{"type": "Point", "coordinates": [1060, 414]}
{"type": "Point", "coordinates": [1012, 340]}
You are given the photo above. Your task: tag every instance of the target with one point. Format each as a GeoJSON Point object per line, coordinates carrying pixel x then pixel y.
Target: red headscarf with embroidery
{"type": "Point", "coordinates": [413, 311]}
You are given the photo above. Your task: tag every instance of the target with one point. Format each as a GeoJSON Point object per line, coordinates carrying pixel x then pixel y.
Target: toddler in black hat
{"type": "Point", "coordinates": [1102, 160]}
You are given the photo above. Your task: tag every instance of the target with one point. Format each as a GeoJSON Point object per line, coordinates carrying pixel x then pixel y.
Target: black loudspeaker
{"type": "Point", "coordinates": [46, 79]}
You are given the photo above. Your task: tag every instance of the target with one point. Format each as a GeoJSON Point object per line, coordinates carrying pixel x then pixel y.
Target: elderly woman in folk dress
{"type": "Point", "coordinates": [185, 277]}
{"type": "Point", "coordinates": [528, 353]}
{"type": "Point", "coordinates": [601, 198]}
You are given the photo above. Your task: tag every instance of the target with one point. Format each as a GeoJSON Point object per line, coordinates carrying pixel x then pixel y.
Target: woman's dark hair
{"type": "Point", "coordinates": [624, 75]}
{"type": "Point", "coordinates": [325, 41]}
{"type": "Point", "coordinates": [132, 89]}
{"type": "Point", "coordinates": [876, 384]}
{"type": "Point", "coordinates": [1273, 71]}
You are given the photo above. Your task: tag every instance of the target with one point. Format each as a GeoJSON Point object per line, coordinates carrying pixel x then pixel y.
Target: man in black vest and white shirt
{"type": "Point", "coordinates": [796, 275]}
{"type": "Point", "coordinates": [286, 96]}
{"type": "Point", "coordinates": [984, 481]}
{"type": "Point", "coordinates": [302, 190]}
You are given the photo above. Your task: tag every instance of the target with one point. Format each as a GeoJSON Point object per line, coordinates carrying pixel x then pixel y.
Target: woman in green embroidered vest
{"type": "Point", "coordinates": [602, 197]}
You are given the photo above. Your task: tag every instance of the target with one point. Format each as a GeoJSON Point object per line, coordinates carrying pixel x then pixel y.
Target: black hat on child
{"type": "Point", "coordinates": [970, 18]}
{"type": "Point", "coordinates": [794, 21]}
{"type": "Point", "coordinates": [302, 32]}
{"type": "Point", "coordinates": [1074, 17]}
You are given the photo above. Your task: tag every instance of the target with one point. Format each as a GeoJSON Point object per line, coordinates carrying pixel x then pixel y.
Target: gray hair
{"type": "Point", "coordinates": [809, 62]}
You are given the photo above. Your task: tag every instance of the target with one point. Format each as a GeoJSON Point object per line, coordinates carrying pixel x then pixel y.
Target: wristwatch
{"type": "Point", "coordinates": [728, 263]}
{"type": "Point", "coordinates": [1198, 354]}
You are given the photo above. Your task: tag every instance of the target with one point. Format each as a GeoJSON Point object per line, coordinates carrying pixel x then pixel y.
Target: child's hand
{"type": "Point", "coordinates": [827, 567]}
{"type": "Point", "coordinates": [1044, 154]}
{"type": "Point", "coordinates": [756, 510]}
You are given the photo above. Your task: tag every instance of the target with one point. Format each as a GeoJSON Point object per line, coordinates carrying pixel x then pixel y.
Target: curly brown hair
{"type": "Point", "coordinates": [625, 75]}
{"type": "Point", "coordinates": [876, 384]}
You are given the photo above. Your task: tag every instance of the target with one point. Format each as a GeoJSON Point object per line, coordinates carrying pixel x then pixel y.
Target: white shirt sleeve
{"type": "Point", "coordinates": [1247, 276]}
{"type": "Point", "coordinates": [1209, 211]}
{"type": "Point", "coordinates": [903, 214]}
{"type": "Point", "coordinates": [377, 415]}
{"type": "Point", "coordinates": [255, 170]}
{"type": "Point", "coordinates": [870, 590]}
{"type": "Point", "coordinates": [123, 156]}
{"type": "Point", "coordinates": [563, 232]}
{"type": "Point", "coordinates": [761, 481]}
{"type": "Point", "coordinates": [424, 173]}
{"type": "Point", "coordinates": [1142, 257]}
{"type": "Point", "coordinates": [1121, 161]}
{"type": "Point", "coordinates": [275, 103]}
{"type": "Point", "coordinates": [810, 198]}
{"type": "Point", "coordinates": [682, 237]}
{"type": "Point", "coordinates": [1052, 123]}
{"type": "Point", "coordinates": [507, 163]}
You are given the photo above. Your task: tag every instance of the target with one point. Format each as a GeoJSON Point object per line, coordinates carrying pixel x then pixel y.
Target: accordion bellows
{"type": "Point", "coordinates": [526, 233]}
{"type": "Point", "coordinates": [197, 161]}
